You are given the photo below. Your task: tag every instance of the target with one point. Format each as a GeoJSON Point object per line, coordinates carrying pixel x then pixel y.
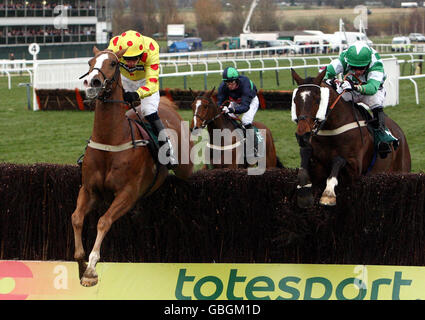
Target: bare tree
{"type": "Point", "coordinates": [208, 19]}
{"type": "Point", "coordinates": [119, 20]}
{"type": "Point", "coordinates": [168, 14]}
{"type": "Point", "coordinates": [264, 17]}
{"type": "Point", "coordinates": [238, 16]}
{"type": "Point", "coordinates": [143, 16]}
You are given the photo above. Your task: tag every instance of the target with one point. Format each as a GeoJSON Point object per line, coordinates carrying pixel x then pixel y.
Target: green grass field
{"type": "Point", "coordinates": [28, 137]}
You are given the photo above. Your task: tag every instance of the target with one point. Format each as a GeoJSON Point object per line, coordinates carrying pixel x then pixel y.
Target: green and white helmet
{"type": "Point", "coordinates": [359, 54]}
{"type": "Point", "coordinates": [230, 74]}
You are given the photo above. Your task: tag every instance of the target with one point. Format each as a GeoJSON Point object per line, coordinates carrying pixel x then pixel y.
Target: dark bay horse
{"type": "Point", "coordinates": [207, 114]}
{"type": "Point", "coordinates": [334, 137]}
{"type": "Point", "coordinates": [112, 164]}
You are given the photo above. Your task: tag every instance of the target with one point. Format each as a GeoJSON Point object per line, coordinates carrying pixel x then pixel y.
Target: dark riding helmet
{"type": "Point", "coordinates": [230, 74]}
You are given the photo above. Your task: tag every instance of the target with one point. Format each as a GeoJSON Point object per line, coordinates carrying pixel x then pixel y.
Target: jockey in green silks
{"type": "Point", "coordinates": [366, 64]}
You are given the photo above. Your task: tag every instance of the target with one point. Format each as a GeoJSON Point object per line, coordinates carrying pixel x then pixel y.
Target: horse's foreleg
{"type": "Point", "coordinates": [329, 197]}
{"type": "Point", "coordinates": [305, 197]}
{"type": "Point", "coordinates": [85, 204]}
{"type": "Point", "coordinates": [122, 203]}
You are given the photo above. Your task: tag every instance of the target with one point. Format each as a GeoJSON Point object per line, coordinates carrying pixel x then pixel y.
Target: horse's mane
{"type": "Point", "coordinates": [166, 102]}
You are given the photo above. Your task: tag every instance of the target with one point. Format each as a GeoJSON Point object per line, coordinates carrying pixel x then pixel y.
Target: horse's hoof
{"type": "Point", "coordinates": [88, 282]}
{"type": "Point", "coordinates": [305, 198]}
{"type": "Point", "coordinates": [89, 278]}
{"type": "Point", "coordinates": [328, 201]}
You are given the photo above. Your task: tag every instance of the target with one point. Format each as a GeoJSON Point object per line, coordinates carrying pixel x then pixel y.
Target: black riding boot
{"type": "Point", "coordinates": [249, 132]}
{"type": "Point", "coordinates": [383, 147]}
{"type": "Point", "coordinates": [157, 127]}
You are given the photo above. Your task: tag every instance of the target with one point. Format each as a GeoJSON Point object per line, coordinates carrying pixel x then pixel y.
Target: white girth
{"type": "Point", "coordinates": [224, 148]}
{"type": "Point", "coordinates": [118, 148]}
{"type": "Point", "coordinates": [342, 129]}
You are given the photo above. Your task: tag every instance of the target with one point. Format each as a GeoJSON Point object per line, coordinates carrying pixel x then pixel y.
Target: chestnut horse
{"type": "Point", "coordinates": [333, 134]}
{"type": "Point", "coordinates": [117, 162]}
{"type": "Point", "coordinates": [207, 114]}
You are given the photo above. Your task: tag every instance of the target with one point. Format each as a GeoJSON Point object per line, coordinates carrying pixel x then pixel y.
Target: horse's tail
{"type": "Point", "coordinates": [279, 164]}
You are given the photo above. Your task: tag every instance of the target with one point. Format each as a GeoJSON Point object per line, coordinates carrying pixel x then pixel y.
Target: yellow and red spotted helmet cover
{"type": "Point", "coordinates": [131, 40]}
{"type": "Point", "coordinates": [148, 65]}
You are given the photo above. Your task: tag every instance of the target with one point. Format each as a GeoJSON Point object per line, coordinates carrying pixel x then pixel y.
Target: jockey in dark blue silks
{"type": "Point", "coordinates": [242, 93]}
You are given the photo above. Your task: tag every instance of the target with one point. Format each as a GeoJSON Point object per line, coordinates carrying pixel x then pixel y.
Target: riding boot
{"type": "Point", "coordinates": [250, 135]}
{"type": "Point", "coordinates": [384, 148]}
{"type": "Point", "coordinates": [157, 127]}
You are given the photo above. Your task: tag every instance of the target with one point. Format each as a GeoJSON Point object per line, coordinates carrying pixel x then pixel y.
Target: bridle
{"type": "Point", "coordinates": [104, 92]}
{"type": "Point", "coordinates": [317, 123]}
{"type": "Point", "coordinates": [206, 122]}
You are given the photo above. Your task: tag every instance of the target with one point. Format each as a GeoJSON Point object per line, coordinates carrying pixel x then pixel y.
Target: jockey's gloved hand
{"type": "Point", "coordinates": [347, 86]}
{"type": "Point", "coordinates": [131, 96]}
{"type": "Point", "coordinates": [357, 87]}
{"type": "Point", "coordinates": [228, 110]}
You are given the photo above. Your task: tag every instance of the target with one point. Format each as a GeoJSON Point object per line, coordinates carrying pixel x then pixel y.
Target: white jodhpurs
{"type": "Point", "coordinates": [148, 105]}
{"type": "Point", "coordinates": [373, 101]}
{"type": "Point", "coordinates": [248, 116]}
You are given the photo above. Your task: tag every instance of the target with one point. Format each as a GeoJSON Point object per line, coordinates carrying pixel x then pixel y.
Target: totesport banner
{"type": "Point", "coordinates": [180, 281]}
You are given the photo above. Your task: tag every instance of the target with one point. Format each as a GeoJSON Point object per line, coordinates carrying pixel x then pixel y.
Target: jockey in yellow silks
{"type": "Point", "coordinates": [139, 68]}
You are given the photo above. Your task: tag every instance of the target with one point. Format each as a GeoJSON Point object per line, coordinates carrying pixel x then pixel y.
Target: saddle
{"type": "Point", "coordinates": [146, 132]}
{"type": "Point", "coordinates": [381, 139]}
{"type": "Point", "coordinates": [238, 124]}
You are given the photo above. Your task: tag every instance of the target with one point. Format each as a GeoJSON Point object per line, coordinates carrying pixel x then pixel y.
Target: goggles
{"type": "Point", "coordinates": [359, 68]}
{"type": "Point", "coordinates": [131, 58]}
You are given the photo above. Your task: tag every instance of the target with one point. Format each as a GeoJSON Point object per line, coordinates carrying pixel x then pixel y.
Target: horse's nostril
{"type": "Point", "coordinates": [96, 83]}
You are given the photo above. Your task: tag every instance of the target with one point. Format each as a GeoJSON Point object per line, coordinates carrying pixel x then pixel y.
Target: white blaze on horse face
{"type": "Point", "coordinates": [99, 63]}
{"type": "Point", "coordinates": [304, 95]}
{"type": "Point", "coordinates": [197, 105]}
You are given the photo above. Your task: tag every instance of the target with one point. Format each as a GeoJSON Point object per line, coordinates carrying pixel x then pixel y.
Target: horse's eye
{"type": "Point", "coordinates": [113, 63]}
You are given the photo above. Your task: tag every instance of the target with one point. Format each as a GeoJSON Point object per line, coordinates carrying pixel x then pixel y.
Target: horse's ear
{"type": "Point", "coordinates": [296, 77]}
{"type": "Point", "coordinates": [320, 76]}
{"type": "Point", "coordinates": [95, 50]}
{"type": "Point", "coordinates": [211, 92]}
{"type": "Point", "coordinates": [121, 53]}
{"type": "Point", "coordinates": [192, 94]}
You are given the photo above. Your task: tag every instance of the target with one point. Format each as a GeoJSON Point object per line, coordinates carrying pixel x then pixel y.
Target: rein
{"type": "Point", "coordinates": [105, 90]}
{"type": "Point", "coordinates": [319, 123]}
